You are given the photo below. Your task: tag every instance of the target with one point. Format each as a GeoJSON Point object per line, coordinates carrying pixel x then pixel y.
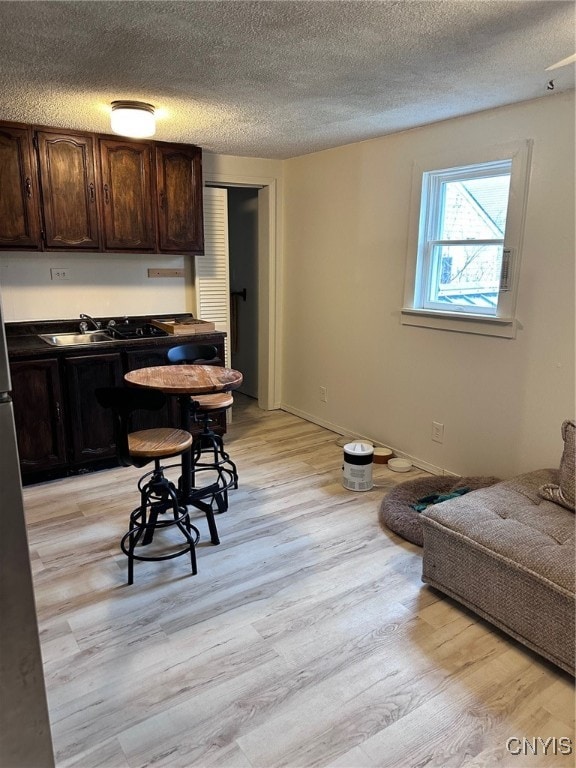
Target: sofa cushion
{"type": "Point", "coordinates": [563, 491]}
{"type": "Point", "coordinates": [508, 554]}
{"type": "Point", "coordinates": [512, 520]}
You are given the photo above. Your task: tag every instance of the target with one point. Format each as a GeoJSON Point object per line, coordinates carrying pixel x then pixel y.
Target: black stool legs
{"type": "Point", "coordinates": [157, 497]}
{"type": "Point", "coordinates": [208, 442]}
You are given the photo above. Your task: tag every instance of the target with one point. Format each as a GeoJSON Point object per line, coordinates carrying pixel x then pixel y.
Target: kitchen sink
{"type": "Point", "coordinates": [70, 339]}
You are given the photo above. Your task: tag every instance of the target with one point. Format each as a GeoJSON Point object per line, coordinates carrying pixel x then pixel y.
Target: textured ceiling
{"type": "Point", "coordinates": [278, 79]}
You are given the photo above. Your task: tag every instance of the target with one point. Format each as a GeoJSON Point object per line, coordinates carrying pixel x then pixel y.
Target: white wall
{"type": "Point", "coordinates": [100, 284]}
{"type": "Point", "coordinates": [346, 222]}
{"type": "Point", "coordinates": [245, 170]}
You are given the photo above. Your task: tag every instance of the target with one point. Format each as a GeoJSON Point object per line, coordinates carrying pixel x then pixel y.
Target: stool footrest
{"type": "Point", "coordinates": [183, 523]}
{"type": "Point", "coordinates": [158, 498]}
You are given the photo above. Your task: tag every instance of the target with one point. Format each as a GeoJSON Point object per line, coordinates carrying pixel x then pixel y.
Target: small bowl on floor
{"type": "Point", "coordinates": [382, 455]}
{"type": "Point", "coordinates": [400, 465]}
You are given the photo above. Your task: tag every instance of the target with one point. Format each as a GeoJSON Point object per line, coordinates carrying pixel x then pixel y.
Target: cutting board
{"type": "Point", "coordinates": [184, 327]}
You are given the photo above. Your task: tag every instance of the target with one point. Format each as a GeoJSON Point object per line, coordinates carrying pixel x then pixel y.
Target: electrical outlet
{"type": "Point", "coordinates": [323, 395]}
{"type": "Point", "coordinates": [59, 273]}
{"type": "Point", "coordinates": [437, 432]}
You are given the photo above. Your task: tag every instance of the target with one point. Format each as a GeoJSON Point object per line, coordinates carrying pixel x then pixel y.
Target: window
{"type": "Point", "coordinates": [465, 244]}
{"type": "Point", "coordinates": [461, 241]}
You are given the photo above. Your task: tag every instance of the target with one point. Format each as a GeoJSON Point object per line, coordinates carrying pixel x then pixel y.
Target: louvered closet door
{"type": "Point", "coordinates": [212, 281]}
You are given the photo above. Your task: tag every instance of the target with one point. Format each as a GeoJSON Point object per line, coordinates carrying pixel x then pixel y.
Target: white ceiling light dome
{"type": "Point", "coordinates": [133, 118]}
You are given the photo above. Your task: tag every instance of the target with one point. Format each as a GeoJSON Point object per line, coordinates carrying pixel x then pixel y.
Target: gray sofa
{"type": "Point", "coordinates": [507, 552]}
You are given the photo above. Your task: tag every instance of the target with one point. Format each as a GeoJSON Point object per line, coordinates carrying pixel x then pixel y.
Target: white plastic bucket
{"type": "Point", "coordinates": [357, 467]}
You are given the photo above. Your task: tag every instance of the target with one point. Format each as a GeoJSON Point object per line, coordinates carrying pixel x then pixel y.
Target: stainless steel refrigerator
{"type": "Point", "coordinates": [25, 740]}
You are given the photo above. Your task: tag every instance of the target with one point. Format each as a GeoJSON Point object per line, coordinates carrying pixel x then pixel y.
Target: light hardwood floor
{"type": "Point", "coordinates": [306, 639]}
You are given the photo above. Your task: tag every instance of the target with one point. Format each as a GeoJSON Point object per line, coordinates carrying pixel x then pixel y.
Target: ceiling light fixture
{"type": "Point", "coordinates": [133, 118]}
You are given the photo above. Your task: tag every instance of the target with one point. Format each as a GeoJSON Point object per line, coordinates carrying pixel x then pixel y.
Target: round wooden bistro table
{"type": "Point", "coordinates": [183, 382]}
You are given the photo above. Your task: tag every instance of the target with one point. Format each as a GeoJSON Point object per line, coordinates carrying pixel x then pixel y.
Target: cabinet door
{"type": "Point", "coordinates": [37, 398]}
{"type": "Point", "coordinates": [91, 426]}
{"type": "Point", "coordinates": [19, 209]}
{"type": "Point", "coordinates": [169, 415]}
{"type": "Point", "coordinates": [179, 190]}
{"type": "Point", "coordinates": [68, 184]}
{"type": "Point", "coordinates": [127, 189]}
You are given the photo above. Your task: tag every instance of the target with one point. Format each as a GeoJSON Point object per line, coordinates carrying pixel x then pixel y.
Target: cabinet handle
{"type": "Point", "coordinates": [106, 194]}
{"type": "Point", "coordinates": [58, 414]}
{"type": "Point", "coordinates": [91, 188]}
{"type": "Point", "coordinates": [162, 200]}
{"type": "Point", "coordinates": [28, 187]}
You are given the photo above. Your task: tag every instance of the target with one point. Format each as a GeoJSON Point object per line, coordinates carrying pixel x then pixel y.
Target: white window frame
{"type": "Point", "coordinates": [422, 223]}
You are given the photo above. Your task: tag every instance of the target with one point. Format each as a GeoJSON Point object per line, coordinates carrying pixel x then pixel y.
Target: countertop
{"type": "Point", "coordinates": [23, 338]}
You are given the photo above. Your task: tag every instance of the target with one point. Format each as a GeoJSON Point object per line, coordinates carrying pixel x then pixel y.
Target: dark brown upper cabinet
{"type": "Point", "coordinates": [79, 191]}
{"type": "Point", "coordinates": [128, 192]}
{"type": "Point", "coordinates": [19, 205]}
{"type": "Point", "coordinates": [68, 183]}
{"type": "Point", "coordinates": [179, 191]}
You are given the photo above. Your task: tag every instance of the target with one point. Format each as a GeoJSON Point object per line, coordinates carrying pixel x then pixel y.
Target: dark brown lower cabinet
{"type": "Point", "coordinates": [60, 426]}
{"type": "Point", "coordinates": [91, 427]}
{"type": "Point", "coordinates": [169, 415]}
{"type": "Point", "coordinates": [39, 414]}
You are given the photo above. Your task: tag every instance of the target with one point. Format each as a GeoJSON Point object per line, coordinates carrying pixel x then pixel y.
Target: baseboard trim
{"type": "Point", "coordinates": [339, 430]}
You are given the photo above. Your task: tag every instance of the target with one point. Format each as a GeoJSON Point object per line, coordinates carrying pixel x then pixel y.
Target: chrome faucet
{"type": "Point", "coordinates": [84, 324]}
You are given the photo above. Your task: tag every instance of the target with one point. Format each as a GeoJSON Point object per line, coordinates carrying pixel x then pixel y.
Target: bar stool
{"type": "Point", "coordinates": [208, 452]}
{"type": "Point", "coordinates": [157, 493]}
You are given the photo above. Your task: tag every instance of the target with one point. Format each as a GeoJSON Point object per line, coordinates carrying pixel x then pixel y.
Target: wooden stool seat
{"type": "Point", "coordinates": [158, 443]}
{"type": "Point", "coordinates": [214, 402]}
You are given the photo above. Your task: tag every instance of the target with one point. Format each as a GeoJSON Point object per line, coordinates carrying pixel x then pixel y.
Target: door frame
{"type": "Point", "coordinates": [268, 280]}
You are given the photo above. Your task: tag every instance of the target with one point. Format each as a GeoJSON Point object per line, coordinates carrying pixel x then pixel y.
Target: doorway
{"type": "Point", "coordinates": [265, 346]}
{"type": "Point", "coordinates": [243, 270]}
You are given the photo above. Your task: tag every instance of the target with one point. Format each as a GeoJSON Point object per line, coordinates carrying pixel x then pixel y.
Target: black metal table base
{"type": "Point", "coordinates": [204, 498]}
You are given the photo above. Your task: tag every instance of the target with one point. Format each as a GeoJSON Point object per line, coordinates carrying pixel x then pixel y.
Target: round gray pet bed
{"type": "Point", "coordinates": [397, 514]}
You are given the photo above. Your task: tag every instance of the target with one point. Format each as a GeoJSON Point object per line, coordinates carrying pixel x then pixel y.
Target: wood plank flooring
{"type": "Point", "coordinates": [306, 639]}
